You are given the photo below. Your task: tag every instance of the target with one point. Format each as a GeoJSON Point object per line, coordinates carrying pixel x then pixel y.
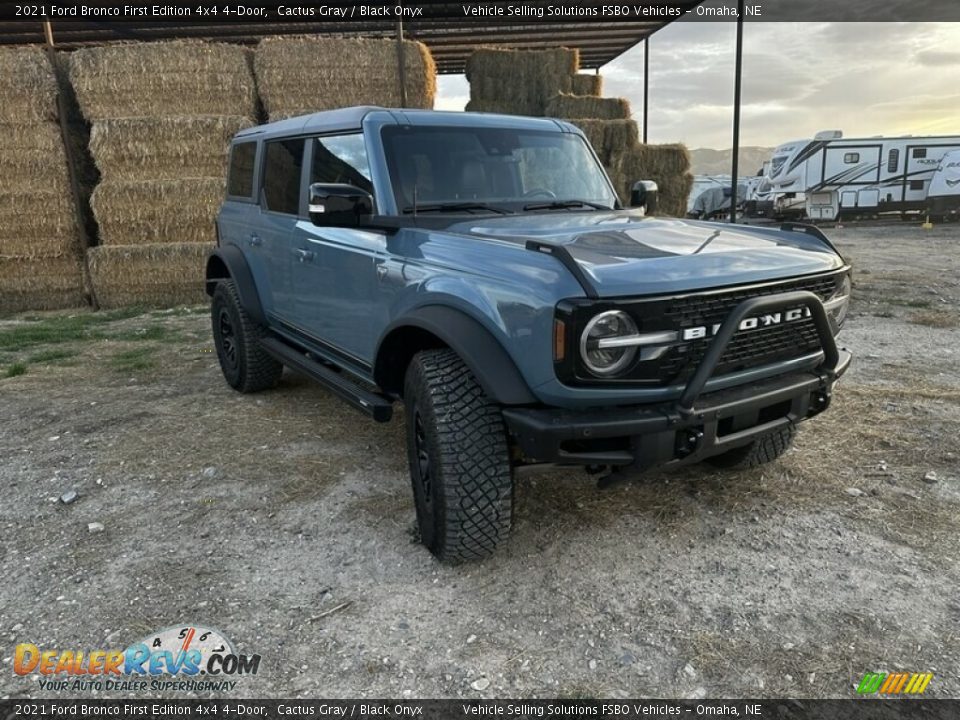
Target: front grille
{"type": "Point", "coordinates": [748, 348]}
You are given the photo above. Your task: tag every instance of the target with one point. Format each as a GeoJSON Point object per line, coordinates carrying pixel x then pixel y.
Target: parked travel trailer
{"type": "Point", "coordinates": [943, 198]}
{"type": "Point", "coordinates": [831, 176]}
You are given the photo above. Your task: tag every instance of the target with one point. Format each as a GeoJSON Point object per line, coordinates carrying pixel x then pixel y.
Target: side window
{"type": "Point", "coordinates": [281, 175]}
{"type": "Point", "coordinates": [851, 158]}
{"type": "Point", "coordinates": [240, 175]}
{"type": "Point", "coordinates": [919, 153]}
{"type": "Point", "coordinates": [916, 184]}
{"type": "Point", "coordinates": [893, 160]}
{"type": "Point", "coordinates": [341, 159]}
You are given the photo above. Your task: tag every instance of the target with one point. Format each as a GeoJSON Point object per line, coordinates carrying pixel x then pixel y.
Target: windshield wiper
{"type": "Point", "coordinates": [453, 207]}
{"type": "Point", "coordinates": [565, 204]}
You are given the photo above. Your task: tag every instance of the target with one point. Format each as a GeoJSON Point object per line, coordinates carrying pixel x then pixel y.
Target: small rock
{"type": "Point", "coordinates": [689, 671]}
{"type": "Point", "coordinates": [881, 466]}
{"type": "Point", "coordinates": [890, 407]}
{"type": "Point", "coordinates": [95, 527]}
{"type": "Point", "coordinates": [480, 684]}
{"type": "Point", "coordinates": [854, 492]}
{"type": "Point", "coordinates": [931, 478]}
{"type": "Point", "coordinates": [210, 472]}
{"type": "Point", "coordinates": [788, 678]}
{"type": "Point", "coordinates": [788, 646]}
{"type": "Point", "coordinates": [699, 694]}
{"type": "Point", "coordinates": [70, 496]}
{"type": "Point", "coordinates": [628, 658]}
{"type": "Point", "coordinates": [472, 639]}
{"type": "Point", "coordinates": [593, 664]}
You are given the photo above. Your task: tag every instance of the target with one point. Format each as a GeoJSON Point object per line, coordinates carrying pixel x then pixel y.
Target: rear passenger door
{"type": "Point", "coordinates": [280, 207]}
{"type": "Point", "coordinates": [335, 279]}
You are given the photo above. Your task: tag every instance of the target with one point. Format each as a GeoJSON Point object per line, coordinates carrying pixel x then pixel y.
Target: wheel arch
{"type": "Point", "coordinates": [436, 326]}
{"type": "Point", "coordinates": [228, 263]}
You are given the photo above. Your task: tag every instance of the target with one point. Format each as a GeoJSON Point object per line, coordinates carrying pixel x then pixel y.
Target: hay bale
{"type": "Point", "coordinates": [577, 107]}
{"type": "Point", "coordinates": [519, 82]}
{"type": "Point", "coordinates": [37, 223]}
{"type": "Point", "coordinates": [164, 147]}
{"type": "Point", "coordinates": [157, 79]}
{"type": "Point", "coordinates": [162, 276]}
{"type": "Point", "coordinates": [610, 138]}
{"type": "Point", "coordinates": [51, 283]}
{"type": "Point", "coordinates": [133, 212]}
{"type": "Point", "coordinates": [305, 74]}
{"type": "Point", "coordinates": [34, 156]}
{"type": "Point", "coordinates": [587, 85]}
{"type": "Point", "coordinates": [667, 165]}
{"type": "Point", "coordinates": [28, 86]}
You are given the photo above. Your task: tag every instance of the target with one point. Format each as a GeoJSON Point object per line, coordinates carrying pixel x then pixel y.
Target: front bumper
{"type": "Point", "coordinates": [650, 435]}
{"type": "Point", "coordinates": [698, 424]}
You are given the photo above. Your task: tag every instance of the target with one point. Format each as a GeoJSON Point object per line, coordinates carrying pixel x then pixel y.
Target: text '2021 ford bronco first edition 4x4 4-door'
{"type": "Point", "coordinates": [481, 269]}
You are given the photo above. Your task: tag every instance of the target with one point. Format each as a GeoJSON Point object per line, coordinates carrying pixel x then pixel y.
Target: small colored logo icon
{"type": "Point", "coordinates": [894, 683]}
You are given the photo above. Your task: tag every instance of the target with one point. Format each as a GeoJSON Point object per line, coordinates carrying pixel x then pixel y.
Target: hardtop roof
{"type": "Point", "coordinates": [351, 118]}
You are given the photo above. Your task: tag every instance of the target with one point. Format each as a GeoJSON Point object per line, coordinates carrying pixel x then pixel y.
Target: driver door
{"type": "Point", "coordinates": [334, 268]}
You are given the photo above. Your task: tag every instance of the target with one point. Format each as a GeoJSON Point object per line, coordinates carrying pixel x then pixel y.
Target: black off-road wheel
{"type": "Point", "coordinates": [245, 365]}
{"type": "Point", "coordinates": [764, 449]}
{"type": "Point", "coordinates": [459, 459]}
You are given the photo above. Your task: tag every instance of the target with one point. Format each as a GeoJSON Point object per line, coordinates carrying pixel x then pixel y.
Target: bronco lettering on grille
{"type": "Point", "coordinates": [750, 323]}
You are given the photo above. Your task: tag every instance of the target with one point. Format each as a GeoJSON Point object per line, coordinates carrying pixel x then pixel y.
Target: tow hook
{"type": "Point", "coordinates": [689, 441]}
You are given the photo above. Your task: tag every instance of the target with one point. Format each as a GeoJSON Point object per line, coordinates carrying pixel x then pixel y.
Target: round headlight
{"type": "Point", "coordinates": [838, 303]}
{"type": "Point", "coordinates": [599, 346]}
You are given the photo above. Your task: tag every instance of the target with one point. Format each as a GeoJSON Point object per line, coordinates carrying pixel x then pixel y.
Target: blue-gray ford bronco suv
{"type": "Point", "coordinates": [481, 270]}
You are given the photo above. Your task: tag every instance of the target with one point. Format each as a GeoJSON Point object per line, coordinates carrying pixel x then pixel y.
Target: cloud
{"type": "Point", "coordinates": [938, 57]}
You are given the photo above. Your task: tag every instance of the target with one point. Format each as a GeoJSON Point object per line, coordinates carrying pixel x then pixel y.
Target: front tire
{"type": "Point", "coordinates": [764, 449]}
{"type": "Point", "coordinates": [459, 459]}
{"type": "Point", "coordinates": [245, 365]}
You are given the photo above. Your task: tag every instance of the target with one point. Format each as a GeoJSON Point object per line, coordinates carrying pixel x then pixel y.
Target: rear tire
{"type": "Point", "coordinates": [762, 450]}
{"type": "Point", "coordinates": [246, 366]}
{"type": "Point", "coordinates": [459, 460]}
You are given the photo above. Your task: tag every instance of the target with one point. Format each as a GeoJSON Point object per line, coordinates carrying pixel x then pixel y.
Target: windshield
{"type": "Point", "coordinates": [476, 169]}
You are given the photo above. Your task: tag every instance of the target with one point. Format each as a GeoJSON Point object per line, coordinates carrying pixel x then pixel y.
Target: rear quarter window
{"type": "Point", "coordinates": [240, 174]}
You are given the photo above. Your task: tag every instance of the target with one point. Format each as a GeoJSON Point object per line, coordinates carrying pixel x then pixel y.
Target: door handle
{"type": "Point", "coordinates": [255, 239]}
{"type": "Point", "coordinates": [303, 255]}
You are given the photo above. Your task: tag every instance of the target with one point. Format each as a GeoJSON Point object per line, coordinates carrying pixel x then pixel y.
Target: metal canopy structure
{"type": "Point", "coordinates": [446, 30]}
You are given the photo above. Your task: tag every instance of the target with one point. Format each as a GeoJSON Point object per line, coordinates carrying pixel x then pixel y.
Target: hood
{"type": "Point", "coordinates": [624, 254]}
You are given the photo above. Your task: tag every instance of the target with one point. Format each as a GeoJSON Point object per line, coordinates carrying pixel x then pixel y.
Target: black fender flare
{"type": "Point", "coordinates": [228, 262]}
{"type": "Point", "coordinates": [489, 362]}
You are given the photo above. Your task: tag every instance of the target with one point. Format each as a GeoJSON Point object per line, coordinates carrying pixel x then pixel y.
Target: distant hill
{"type": "Point", "coordinates": [707, 161]}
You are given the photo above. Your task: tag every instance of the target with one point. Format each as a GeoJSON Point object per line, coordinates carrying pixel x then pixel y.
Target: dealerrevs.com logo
{"type": "Point", "coordinates": [185, 658]}
{"type": "Point", "coordinates": [899, 683]}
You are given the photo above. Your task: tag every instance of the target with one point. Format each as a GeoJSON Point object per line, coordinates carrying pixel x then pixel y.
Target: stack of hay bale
{"type": "Point", "coordinates": [298, 75]}
{"type": "Point", "coordinates": [40, 253]}
{"type": "Point", "coordinates": [547, 83]}
{"type": "Point", "coordinates": [162, 117]}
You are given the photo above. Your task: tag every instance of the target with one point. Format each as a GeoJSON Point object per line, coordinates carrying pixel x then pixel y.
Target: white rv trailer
{"type": "Point", "coordinates": [837, 176]}
{"type": "Point", "coordinates": [943, 197]}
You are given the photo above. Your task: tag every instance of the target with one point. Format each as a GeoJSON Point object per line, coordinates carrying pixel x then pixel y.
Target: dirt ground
{"type": "Point", "coordinates": [285, 520]}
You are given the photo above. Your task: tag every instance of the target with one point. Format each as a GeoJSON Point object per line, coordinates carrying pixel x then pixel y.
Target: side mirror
{"type": "Point", "coordinates": [337, 204]}
{"type": "Point", "coordinates": [644, 194]}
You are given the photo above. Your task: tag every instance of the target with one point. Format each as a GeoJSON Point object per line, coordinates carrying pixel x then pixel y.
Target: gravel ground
{"type": "Point", "coordinates": [285, 520]}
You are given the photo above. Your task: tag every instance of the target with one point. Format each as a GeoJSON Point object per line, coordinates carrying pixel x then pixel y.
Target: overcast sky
{"type": "Point", "coordinates": [798, 78]}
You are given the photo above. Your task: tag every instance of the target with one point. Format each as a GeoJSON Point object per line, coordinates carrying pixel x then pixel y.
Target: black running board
{"type": "Point", "coordinates": [376, 406]}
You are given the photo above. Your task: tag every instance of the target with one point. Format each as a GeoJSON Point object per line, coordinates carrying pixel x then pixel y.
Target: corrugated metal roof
{"type": "Point", "coordinates": [450, 35]}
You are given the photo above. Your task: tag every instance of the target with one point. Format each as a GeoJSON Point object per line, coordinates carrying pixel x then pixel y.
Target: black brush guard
{"type": "Point", "coordinates": [694, 426]}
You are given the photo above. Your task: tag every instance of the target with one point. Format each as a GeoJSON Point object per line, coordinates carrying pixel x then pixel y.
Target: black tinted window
{"type": "Point", "coordinates": [919, 153]}
{"type": "Point", "coordinates": [341, 159]}
{"type": "Point", "coordinates": [240, 178]}
{"type": "Point", "coordinates": [851, 158]}
{"type": "Point", "coordinates": [281, 175]}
